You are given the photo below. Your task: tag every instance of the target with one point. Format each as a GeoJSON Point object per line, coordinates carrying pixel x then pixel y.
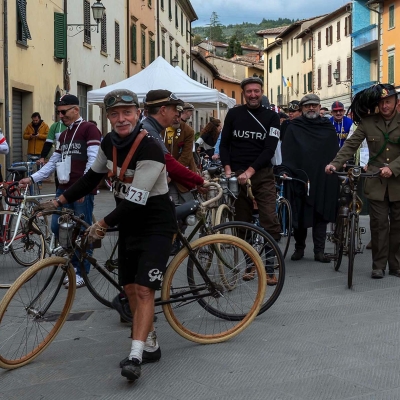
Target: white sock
{"type": "Point", "coordinates": [136, 350]}
{"type": "Point", "coordinates": [151, 342]}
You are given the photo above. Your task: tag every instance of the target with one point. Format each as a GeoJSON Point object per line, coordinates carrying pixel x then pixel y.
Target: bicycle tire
{"type": "Point", "coordinates": [24, 331]}
{"type": "Point", "coordinates": [284, 213]}
{"type": "Point", "coordinates": [41, 221]}
{"type": "Point", "coordinates": [102, 279]}
{"type": "Point", "coordinates": [223, 214]}
{"type": "Point", "coordinates": [267, 249]}
{"type": "Point", "coordinates": [209, 324]}
{"type": "Point", "coordinates": [352, 250]}
{"type": "Point", "coordinates": [338, 245]}
{"type": "Point", "coordinates": [26, 249]}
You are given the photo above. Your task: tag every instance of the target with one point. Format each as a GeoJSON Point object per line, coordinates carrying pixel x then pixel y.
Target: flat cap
{"type": "Point", "coordinates": [252, 79]}
{"type": "Point", "coordinates": [67, 100]}
{"type": "Point", "coordinates": [120, 97]}
{"type": "Point", "coordinates": [188, 106]}
{"type": "Point", "coordinates": [161, 97]}
{"type": "Point", "coordinates": [310, 99]}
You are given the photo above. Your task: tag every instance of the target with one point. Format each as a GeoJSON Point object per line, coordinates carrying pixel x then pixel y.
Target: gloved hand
{"type": "Point", "coordinates": [50, 205]}
{"type": "Point", "coordinates": [95, 232]}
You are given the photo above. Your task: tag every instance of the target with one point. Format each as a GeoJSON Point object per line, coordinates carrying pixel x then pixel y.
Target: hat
{"type": "Point", "coordinates": [188, 106]}
{"type": "Point", "coordinates": [337, 105]}
{"type": "Point", "coordinates": [161, 97]}
{"type": "Point", "coordinates": [294, 105]}
{"type": "Point", "coordinates": [252, 79]}
{"type": "Point", "coordinates": [310, 99]}
{"type": "Point", "coordinates": [387, 90]}
{"type": "Point", "coordinates": [67, 100]}
{"type": "Point", "coordinates": [120, 97]}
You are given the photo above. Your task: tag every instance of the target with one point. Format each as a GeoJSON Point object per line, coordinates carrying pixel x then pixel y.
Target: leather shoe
{"type": "Point", "coordinates": [377, 273]}
{"type": "Point", "coordinates": [321, 257]}
{"type": "Point", "coordinates": [369, 245]}
{"type": "Point", "coordinates": [394, 272]}
{"type": "Point", "coordinates": [249, 274]}
{"type": "Point", "coordinates": [297, 255]}
{"type": "Point", "coordinates": [272, 280]}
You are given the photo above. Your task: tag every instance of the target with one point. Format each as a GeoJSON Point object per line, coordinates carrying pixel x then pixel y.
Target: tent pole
{"type": "Point", "coordinates": [218, 110]}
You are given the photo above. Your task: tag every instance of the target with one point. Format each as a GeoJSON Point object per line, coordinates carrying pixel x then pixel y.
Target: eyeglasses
{"type": "Point", "coordinates": [310, 105]}
{"type": "Point", "coordinates": [125, 98]}
{"type": "Point", "coordinates": [293, 107]}
{"type": "Point", "coordinates": [337, 111]}
{"type": "Point", "coordinates": [63, 112]}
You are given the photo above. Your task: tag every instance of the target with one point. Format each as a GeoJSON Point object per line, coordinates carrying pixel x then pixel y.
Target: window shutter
{"type": "Point", "coordinates": [117, 42]}
{"type": "Point", "coordinates": [153, 51]}
{"type": "Point", "coordinates": [104, 33]}
{"type": "Point", "coordinates": [391, 69]}
{"type": "Point", "coordinates": [345, 26]}
{"type": "Point", "coordinates": [144, 49]}
{"type": "Point", "coordinates": [86, 22]}
{"type": "Point", "coordinates": [329, 75]}
{"type": "Point", "coordinates": [350, 25]}
{"type": "Point", "coordinates": [319, 78]}
{"type": "Point", "coordinates": [133, 43]}
{"type": "Point", "coordinates": [60, 35]}
{"type": "Point", "coordinates": [326, 36]}
{"type": "Point", "coordinates": [349, 68]}
{"type": "Point", "coordinates": [21, 5]}
{"type": "Point", "coordinates": [331, 34]}
{"type": "Point", "coordinates": [270, 64]}
{"type": "Point", "coordinates": [319, 40]}
{"type": "Point", "coordinates": [338, 31]}
{"type": "Point", "coordinates": [305, 83]}
{"type": "Point", "coordinates": [309, 81]}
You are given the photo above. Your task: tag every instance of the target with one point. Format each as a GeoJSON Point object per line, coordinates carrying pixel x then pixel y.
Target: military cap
{"type": "Point", "coordinates": [120, 97]}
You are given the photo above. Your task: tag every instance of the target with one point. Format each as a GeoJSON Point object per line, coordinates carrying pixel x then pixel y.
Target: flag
{"type": "Point", "coordinates": [284, 81]}
{"type": "Point", "coordinates": [289, 83]}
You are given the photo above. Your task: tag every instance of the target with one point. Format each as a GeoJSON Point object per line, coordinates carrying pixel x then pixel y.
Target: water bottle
{"type": "Point", "coordinates": [65, 232]}
{"type": "Point", "coordinates": [233, 185]}
{"type": "Point", "coordinates": [224, 184]}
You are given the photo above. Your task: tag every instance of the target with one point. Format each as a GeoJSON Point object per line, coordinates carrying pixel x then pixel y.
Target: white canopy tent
{"type": "Point", "coordinates": [161, 75]}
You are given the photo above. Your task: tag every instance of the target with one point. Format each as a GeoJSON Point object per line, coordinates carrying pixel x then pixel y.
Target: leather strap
{"type": "Point", "coordinates": [128, 158]}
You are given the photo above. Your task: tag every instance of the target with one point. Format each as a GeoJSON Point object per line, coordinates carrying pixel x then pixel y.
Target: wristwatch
{"type": "Point", "coordinates": [59, 202]}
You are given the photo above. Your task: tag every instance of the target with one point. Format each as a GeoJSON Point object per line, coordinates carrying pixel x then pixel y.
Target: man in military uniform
{"type": "Point", "coordinates": [382, 131]}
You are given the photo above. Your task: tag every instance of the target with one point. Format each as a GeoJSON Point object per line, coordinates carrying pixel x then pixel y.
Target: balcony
{"type": "Point", "coordinates": [365, 38]}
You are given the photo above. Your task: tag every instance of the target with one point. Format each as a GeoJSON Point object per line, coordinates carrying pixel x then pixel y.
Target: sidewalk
{"type": "Point", "coordinates": [319, 341]}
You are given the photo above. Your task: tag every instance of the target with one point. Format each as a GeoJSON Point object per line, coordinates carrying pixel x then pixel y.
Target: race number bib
{"type": "Point", "coordinates": [137, 196]}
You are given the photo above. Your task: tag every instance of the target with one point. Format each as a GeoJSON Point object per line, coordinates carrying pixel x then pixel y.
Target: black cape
{"type": "Point", "coordinates": [309, 145]}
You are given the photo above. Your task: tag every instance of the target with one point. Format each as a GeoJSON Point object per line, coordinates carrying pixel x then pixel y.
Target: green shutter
{"type": "Point", "coordinates": [391, 16]}
{"type": "Point", "coordinates": [133, 43]}
{"type": "Point", "coordinates": [391, 69]}
{"type": "Point", "coordinates": [278, 61]}
{"type": "Point", "coordinates": [152, 46]}
{"type": "Point", "coordinates": [309, 79]}
{"type": "Point", "coordinates": [270, 65]}
{"type": "Point", "coordinates": [60, 35]}
{"type": "Point", "coordinates": [21, 6]}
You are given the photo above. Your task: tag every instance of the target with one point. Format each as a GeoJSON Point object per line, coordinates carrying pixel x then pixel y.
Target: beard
{"type": "Point", "coordinates": [311, 114]}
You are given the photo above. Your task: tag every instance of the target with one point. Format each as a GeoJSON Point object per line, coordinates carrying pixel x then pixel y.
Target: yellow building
{"type": "Point", "coordinates": [34, 65]}
{"type": "Point", "coordinates": [390, 42]}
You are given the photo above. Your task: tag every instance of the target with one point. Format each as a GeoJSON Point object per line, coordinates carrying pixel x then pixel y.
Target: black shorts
{"type": "Point", "coordinates": [143, 260]}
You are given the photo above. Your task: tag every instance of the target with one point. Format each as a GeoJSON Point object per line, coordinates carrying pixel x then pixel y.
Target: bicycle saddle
{"type": "Point", "coordinates": [184, 210]}
{"type": "Point", "coordinates": [17, 169]}
{"type": "Point", "coordinates": [214, 170]}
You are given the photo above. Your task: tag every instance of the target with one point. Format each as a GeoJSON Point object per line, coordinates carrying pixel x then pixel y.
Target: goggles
{"type": "Point", "coordinates": [172, 96]}
{"type": "Point", "coordinates": [293, 107]}
{"type": "Point", "coordinates": [63, 112]}
{"type": "Point", "coordinates": [125, 98]}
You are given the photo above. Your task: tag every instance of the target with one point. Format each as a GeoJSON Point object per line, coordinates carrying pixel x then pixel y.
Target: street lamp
{"type": "Point", "coordinates": [336, 76]}
{"type": "Point", "coordinates": [98, 11]}
{"type": "Point", "coordinates": [175, 61]}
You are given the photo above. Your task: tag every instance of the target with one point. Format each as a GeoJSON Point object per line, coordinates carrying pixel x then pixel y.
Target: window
{"type": "Point", "coordinates": [143, 62]}
{"type": "Point", "coordinates": [319, 41]}
{"type": "Point", "coordinates": [271, 99]}
{"type": "Point", "coordinates": [391, 16]}
{"type": "Point", "coordinates": [328, 35]}
{"type": "Point", "coordinates": [287, 50]}
{"type": "Point", "coordinates": [82, 90]}
{"type": "Point", "coordinates": [233, 94]}
{"type": "Point", "coordinates": [86, 22]}
{"type": "Point", "coordinates": [305, 83]}
{"type": "Point", "coordinates": [163, 46]}
{"type": "Point", "coordinates": [348, 68]}
{"type": "Point", "coordinates": [170, 53]}
{"type": "Point", "coordinates": [297, 83]}
{"type": "Point", "coordinates": [152, 49]}
{"type": "Point", "coordinates": [117, 42]}
{"type": "Point", "coordinates": [176, 16]}
{"type": "Point", "coordinates": [347, 26]}
{"type": "Point", "coordinates": [162, 4]}
{"type": "Point", "coordinates": [23, 33]}
{"type": "Point", "coordinates": [329, 75]}
{"type": "Point", "coordinates": [391, 68]}
{"type": "Point", "coordinates": [338, 69]}
{"type": "Point", "coordinates": [310, 48]}
{"type": "Point", "coordinates": [291, 84]}
{"type": "Point", "coordinates": [60, 35]}
{"type": "Point", "coordinates": [338, 31]}
{"type": "Point", "coordinates": [181, 22]}
{"type": "Point", "coordinates": [104, 34]}
{"type": "Point", "coordinates": [304, 52]}
{"type": "Point", "coordinates": [170, 9]}
{"type": "Point", "coordinates": [309, 82]}
{"type": "Point", "coordinates": [187, 30]}
{"type": "Point", "coordinates": [291, 46]}
{"type": "Point", "coordinates": [278, 61]}
{"type": "Point", "coordinates": [297, 46]}
{"type": "Point", "coordinates": [319, 78]}
{"type": "Point", "coordinates": [270, 64]}
{"type": "Point", "coordinates": [134, 43]}
{"type": "Point", "coordinates": [183, 63]}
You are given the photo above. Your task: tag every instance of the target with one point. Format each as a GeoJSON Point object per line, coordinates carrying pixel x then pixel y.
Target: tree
{"type": "Point", "coordinates": [197, 39]}
{"type": "Point", "coordinates": [216, 32]}
{"type": "Point", "coordinates": [234, 47]}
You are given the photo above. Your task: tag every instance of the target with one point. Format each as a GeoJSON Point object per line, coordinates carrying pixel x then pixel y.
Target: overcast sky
{"type": "Point", "coordinates": [238, 11]}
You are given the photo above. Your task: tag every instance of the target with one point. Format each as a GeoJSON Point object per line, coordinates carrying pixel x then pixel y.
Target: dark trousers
{"type": "Point", "coordinates": [385, 233]}
{"type": "Point", "coordinates": [264, 191]}
{"type": "Point", "coordinates": [318, 234]}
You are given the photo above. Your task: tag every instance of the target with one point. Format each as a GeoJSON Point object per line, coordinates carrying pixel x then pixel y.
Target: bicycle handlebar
{"type": "Point", "coordinates": [289, 178]}
{"type": "Point", "coordinates": [356, 175]}
{"type": "Point", "coordinates": [23, 163]}
{"type": "Point", "coordinates": [217, 197]}
{"type": "Point", "coordinates": [9, 195]}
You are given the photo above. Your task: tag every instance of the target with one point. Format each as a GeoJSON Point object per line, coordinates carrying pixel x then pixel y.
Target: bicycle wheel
{"type": "Point", "coordinates": [224, 214]}
{"type": "Point", "coordinates": [284, 213]}
{"type": "Point", "coordinates": [196, 312]}
{"type": "Point", "coordinates": [352, 250]}
{"type": "Point", "coordinates": [102, 279]}
{"type": "Point", "coordinates": [267, 249]}
{"type": "Point", "coordinates": [27, 248]}
{"type": "Point", "coordinates": [338, 236]}
{"type": "Point", "coordinates": [41, 221]}
{"type": "Point", "coordinates": [33, 311]}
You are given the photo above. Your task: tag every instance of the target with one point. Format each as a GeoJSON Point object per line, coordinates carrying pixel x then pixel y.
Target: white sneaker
{"type": "Point", "coordinates": [79, 282]}
{"type": "Point", "coordinates": [65, 281]}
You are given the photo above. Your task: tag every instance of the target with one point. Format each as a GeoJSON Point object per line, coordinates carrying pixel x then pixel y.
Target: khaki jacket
{"type": "Point", "coordinates": [372, 128]}
{"type": "Point", "coordinates": [35, 144]}
{"type": "Point", "coordinates": [181, 148]}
